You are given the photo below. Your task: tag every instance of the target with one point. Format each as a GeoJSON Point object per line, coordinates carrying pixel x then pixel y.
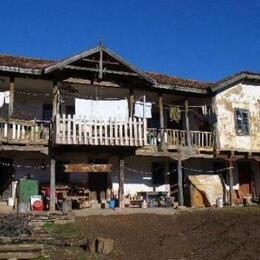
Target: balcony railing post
{"type": "Point", "coordinates": [186, 104]}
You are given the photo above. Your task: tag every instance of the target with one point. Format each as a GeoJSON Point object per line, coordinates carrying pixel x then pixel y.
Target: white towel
{"type": "Point", "coordinates": [140, 109]}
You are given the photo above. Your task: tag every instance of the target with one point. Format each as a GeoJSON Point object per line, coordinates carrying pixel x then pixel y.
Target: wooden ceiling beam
{"type": "Point", "coordinates": [104, 62]}
{"type": "Point", "coordinates": [118, 72]}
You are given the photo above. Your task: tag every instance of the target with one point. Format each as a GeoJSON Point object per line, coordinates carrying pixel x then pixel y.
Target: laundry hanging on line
{"type": "Point", "coordinates": [102, 110]}
{"type": "Point", "coordinates": [175, 114]}
{"type": "Point", "coordinates": [4, 98]}
{"type": "Point", "coordinates": [140, 109]}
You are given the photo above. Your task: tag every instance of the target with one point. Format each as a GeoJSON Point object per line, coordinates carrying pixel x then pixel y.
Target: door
{"type": "Point", "coordinates": [6, 172]}
{"type": "Point", "coordinates": [173, 179]}
{"type": "Point", "coordinates": [245, 178]}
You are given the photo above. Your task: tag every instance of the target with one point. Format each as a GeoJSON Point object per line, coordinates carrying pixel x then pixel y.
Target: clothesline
{"type": "Point", "coordinates": [71, 95]}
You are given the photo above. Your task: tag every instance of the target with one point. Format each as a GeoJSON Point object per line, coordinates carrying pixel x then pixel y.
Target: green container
{"type": "Point", "coordinates": [26, 189]}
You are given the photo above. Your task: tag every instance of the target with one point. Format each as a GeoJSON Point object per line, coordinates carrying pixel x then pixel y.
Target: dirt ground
{"type": "Point", "coordinates": [231, 233]}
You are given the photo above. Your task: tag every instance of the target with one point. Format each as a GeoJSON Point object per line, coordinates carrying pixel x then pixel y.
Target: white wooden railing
{"type": "Point", "coordinates": [179, 138]}
{"type": "Point", "coordinates": [31, 132]}
{"type": "Point", "coordinates": [80, 131]}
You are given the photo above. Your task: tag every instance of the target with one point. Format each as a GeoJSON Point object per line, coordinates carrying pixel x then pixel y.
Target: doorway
{"type": "Point", "coordinates": [245, 178]}
{"type": "Point", "coordinates": [173, 179]}
{"type": "Point", "coordinates": [98, 182]}
{"type": "Point", "coordinates": [6, 171]}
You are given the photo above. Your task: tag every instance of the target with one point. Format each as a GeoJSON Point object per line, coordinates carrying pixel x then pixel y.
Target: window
{"type": "Point", "coordinates": [158, 170]}
{"type": "Point", "coordinates": [242, 121]}
{"type": "Point", "coordinates": [46, 112]}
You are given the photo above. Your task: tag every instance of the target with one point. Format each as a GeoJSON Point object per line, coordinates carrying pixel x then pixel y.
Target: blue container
{"type": "Point", "coordinates": [112, 204]}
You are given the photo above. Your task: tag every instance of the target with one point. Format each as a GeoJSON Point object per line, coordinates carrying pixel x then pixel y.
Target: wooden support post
{"type": "Point", "coordinates": [52, 185]}
{"type": "Point", "coordinates": [162, 132]}
{"type": "Point", "coordinates": [55, 100]}
{"type": "Point", "coordinates": [231, 183]}
{"type": "Point", "coordinates": [180, 184]}
{"type": "Point", "coordinates": [121, 182]}
{"type": "Point", "coordinates": [131, 103]}
{"type": "Point", "coordinates": [11, 100]}
{"type": "Point", "coordinates": [186, 104]}
{"type": "Point", "coordinates": [100, 73]}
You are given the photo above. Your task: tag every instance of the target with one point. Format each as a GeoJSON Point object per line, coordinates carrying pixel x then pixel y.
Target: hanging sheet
{"type": "Point", "coordinates": [140, 109]}
{"type": "Point", "coordinates": [102, 110]}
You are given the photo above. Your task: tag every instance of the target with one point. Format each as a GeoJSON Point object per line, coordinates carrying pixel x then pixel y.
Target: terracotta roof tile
{"type": "Point", "coordinates": [169, 80]}
{"type": "Point", "coordinates": [23, 62]}
{"type": "Point", "coordinates": [33, 63]}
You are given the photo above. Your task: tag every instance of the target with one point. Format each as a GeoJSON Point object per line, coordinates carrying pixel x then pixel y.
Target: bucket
{"type": "Point", "coordinates": [67, 206]}
{"type": "Point", "coordinates": [112, 204]}
{"type": "Point", "coordinates": [219, 203]}
{"type": "Point", "coordinates": [10, 202]}
{"type": "Point", "coordinates": [23, 208]}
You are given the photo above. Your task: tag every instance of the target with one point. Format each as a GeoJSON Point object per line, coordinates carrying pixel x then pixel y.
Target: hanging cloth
{"type": "Point", "coordinates": [175, 114]}
{"type": "Point", "coordinates": [140, 109]}
{"type": "Point", "coordinates": [2, 98]}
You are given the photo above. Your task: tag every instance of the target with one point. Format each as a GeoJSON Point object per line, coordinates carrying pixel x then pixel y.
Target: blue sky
{"type": "Point", "coordinates": [204, 40]}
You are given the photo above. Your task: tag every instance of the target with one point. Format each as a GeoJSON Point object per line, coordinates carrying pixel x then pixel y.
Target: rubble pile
{"type": "Point", "coordinates": [14, 226]}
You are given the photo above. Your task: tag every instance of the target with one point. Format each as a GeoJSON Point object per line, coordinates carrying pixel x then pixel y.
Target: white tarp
{"type": "Point", "coordinates": [102, 110]}
{"type": "Point", "coordinates": [140, 109]}
{"type": "Point", "coordinates": [210, 185]}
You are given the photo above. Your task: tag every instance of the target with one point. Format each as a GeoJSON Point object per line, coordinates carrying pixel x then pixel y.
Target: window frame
{"type": "Point", "coordinates": [243, 131]}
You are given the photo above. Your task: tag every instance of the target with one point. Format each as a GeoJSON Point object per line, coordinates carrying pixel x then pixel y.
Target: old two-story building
{"type": "Point", "coordinates": [95, 127]}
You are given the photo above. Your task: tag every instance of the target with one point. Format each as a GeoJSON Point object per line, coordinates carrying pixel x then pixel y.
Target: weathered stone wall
{"type": "Point", "coordinates": [244, 97]}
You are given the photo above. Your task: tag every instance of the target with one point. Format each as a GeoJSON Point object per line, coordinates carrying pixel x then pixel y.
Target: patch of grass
{"type": "Point", "coordinates": [61, 231]}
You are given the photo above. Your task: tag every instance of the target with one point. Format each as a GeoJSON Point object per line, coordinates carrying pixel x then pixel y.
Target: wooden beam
{"type": "Point", "coordinates": [161, 111]}
{"type": "Point", "coordinates": [231, 183]}
{"type": "Point", "coordinates": [100, 74]}
{"type": "Point", "coordinates": [87, 168]}
{"type": "Point", "coordinates": [55, 100]}
{"type": "Point", "coordinates": [131, 103]}
{"type": "Point", "coordinates": [180, 184]}
{"type": "Point", "coordinates": [104, 62]}
{"type": "Point", "coordinates": [187, 122]}
{"type": "Point", "coordinates": [126, 73]}
{"type": "Point", "coordinates": [53, 185]}
{"type": "Point", "coordinates": [162, 128]}
{"type": "Point", "coordinates": [121, 183]}
{"type": "Point", "coordinates": [11, 100]}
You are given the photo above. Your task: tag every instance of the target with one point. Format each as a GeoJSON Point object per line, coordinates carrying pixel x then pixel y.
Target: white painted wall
{"type": "Point", "coordinates": [241, 96]}
{"type": "Point", "coordinates": [136, 181]}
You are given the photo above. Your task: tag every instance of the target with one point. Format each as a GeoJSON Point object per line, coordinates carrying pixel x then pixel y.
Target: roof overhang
{"type": "Point", "coordinates": [226, 83]}
{"type": "Point", "coordinates": [180, 88]}
{"type": "Point", "coordinates": [87, 57]}
{"type": "Point", "coordinates": [21, 70]}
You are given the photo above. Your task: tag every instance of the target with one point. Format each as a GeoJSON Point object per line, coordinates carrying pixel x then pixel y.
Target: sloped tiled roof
{"type": "Point", "coordinates": [24, 62]}
{"type": "Point", "coordinates": [169, 80]}
{"type": "Point", "coordinates": [33, 63]}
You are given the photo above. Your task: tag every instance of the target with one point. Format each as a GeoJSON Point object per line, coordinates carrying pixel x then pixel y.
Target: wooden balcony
{"type": "Point", "coordinates": [24, 132]}
{"type": "Point", "coordinates": [72, 130]}
{"type": "Point", "coordinates": [176, 139]}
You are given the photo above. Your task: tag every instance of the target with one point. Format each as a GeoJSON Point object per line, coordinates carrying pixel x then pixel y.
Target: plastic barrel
{"type": "Point", "coordinates": [112, 204]}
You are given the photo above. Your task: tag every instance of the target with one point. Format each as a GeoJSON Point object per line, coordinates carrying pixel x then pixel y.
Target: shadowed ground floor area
{"type": "Point", "coordinates": [229, 233]}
